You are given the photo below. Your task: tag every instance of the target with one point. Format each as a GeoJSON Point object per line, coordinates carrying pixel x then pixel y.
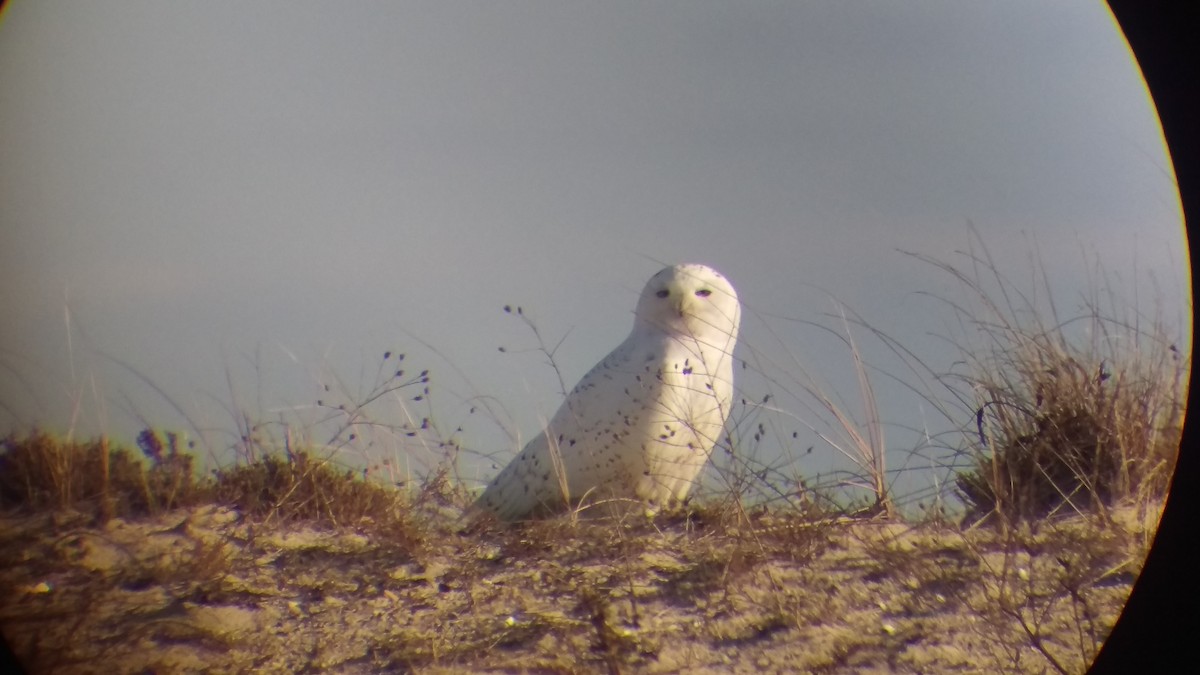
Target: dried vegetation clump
{"type": "Point", "coordinates": [41, 471]}
{"type": "Point", "coordinates": [1072, 414]}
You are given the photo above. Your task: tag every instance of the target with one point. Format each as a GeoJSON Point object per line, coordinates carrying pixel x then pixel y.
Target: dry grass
{"type": "Point", "coordinates": [282, 576]}
{"type": "Point", "coordinates": [1072, 414]}
{"type": "Point", "coordinates": [40, 471]}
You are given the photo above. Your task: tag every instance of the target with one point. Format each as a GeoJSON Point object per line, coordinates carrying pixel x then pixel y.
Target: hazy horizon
{"type": "Point", "coordinates": [245, 204]}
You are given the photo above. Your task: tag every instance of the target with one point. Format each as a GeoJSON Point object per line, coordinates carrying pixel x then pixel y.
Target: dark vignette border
{"type": "Point", "coordinates": [1154, 633]}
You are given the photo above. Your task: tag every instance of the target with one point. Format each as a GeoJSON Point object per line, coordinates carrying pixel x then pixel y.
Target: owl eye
{"type": "Point", "coordinates": [703, 293]}
{"type": "Point", "coordinates": [663, 293]}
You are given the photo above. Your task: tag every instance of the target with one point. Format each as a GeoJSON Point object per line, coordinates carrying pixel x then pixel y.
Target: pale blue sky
{"type": "Point", "coordinates": [284, 189]}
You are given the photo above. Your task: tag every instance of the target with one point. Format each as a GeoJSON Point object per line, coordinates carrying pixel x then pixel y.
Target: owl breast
{"type": "Point", "coordinates": [694, 393]}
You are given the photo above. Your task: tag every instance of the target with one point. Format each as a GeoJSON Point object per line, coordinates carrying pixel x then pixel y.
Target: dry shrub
{"type": "Point", "coordinates": [1080, 428]}
{"type": "Point", "coordinates": [1071, 415]}
{"type": "Point", "coordinates": [298, 486]}
{"type": "Point", "coordinates": [40, 471]}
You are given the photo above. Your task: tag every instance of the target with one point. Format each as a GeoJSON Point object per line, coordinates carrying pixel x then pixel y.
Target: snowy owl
{"type": "Point", "coordinates": [641, 423]}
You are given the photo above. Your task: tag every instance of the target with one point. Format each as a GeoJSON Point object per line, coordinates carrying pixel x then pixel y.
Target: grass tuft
{"type": "Point", "coordinates": [298, 486]}
{"type": "Point", "coordinates": [40, 471]}
{"type": "Point", "coordinates": [1071, 414]}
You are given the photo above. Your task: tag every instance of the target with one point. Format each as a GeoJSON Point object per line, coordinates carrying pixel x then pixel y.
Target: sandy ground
{"type": "Point", "coordinates": [205, 590]}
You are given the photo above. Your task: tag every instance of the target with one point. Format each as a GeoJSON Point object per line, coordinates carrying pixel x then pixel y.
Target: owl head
{"type": "Point", "coordinates": [691, 300]}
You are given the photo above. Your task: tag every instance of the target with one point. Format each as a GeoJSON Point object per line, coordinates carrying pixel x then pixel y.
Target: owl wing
{"type": "Point", "coordinates": [592, 444]}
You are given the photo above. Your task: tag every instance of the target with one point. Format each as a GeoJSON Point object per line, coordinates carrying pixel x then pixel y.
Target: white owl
{"type": "Point", "coordinates": [642, 423]}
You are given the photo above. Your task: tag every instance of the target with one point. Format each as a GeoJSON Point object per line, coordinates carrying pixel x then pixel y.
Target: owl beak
{"type": "Point", "coordinates": [681, 301]}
